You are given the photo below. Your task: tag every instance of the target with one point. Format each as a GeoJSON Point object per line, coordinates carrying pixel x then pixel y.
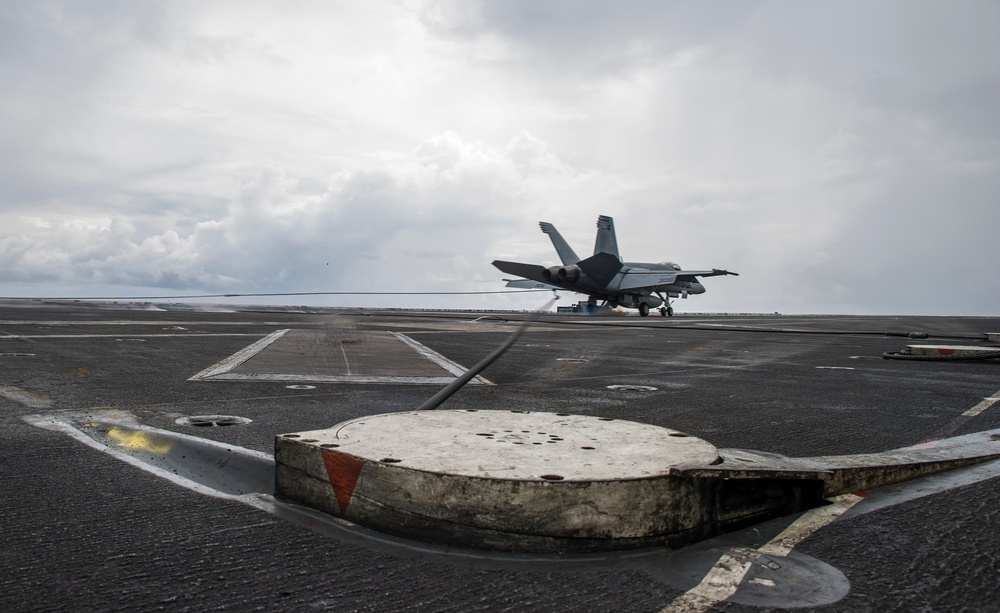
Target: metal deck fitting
{"type": "Point", "coordinates": [554, 482]}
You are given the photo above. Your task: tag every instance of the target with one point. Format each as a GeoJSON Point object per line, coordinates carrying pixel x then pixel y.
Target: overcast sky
{"type": "Point", "coordinates": [843, 157]}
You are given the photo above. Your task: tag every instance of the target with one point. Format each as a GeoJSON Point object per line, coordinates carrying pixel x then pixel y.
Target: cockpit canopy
{"type": "Point", "coordinates": [670, 265]}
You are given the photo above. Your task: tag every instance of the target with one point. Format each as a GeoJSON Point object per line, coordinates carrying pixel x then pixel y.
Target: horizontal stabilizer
{"type": "Point", "coordinates": [601, 268]}
{"type": "Point", "coordinates": [528, 271]}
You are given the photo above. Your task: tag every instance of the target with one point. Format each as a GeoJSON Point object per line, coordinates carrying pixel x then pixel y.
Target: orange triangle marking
{"type": "Point", "coordinates": [343, 470]}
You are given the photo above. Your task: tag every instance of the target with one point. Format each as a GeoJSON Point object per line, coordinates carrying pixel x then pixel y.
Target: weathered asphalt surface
{"type": "Point", "coordinates": [85, 531]}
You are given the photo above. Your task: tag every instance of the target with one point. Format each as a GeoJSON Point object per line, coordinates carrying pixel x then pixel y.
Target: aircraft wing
{"type": "Point", "coordinates": [647, 278]}
{"type": "Point", "coordinates": [715, 272]}
{"type": "Point", "coordinates": [651, 278]}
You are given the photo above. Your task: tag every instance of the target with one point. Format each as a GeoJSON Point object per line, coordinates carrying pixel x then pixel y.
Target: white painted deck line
{"type": "Point", "coordinates": [347, 363]}
{"type": "Point", "coordinates": [982, 406]}
{"type": "Point", "coordinates": [239, 357]}
{"type": "Point", "coordinates": [27, 398]}
{"type": "Point", "coordinates": [222, 371]}
{"type": "Point", "coordinates": [68, 427]}
{"type": "Point", "coordinates": [186, 334]}
{"type": "Point", "coordinates": [439, 359]}
{"type": "Point", "coordinates": [235, 376]}
{"type": "Point", "coordinates": [132, 322]}
{"type": "Point", "coordinates": [725, 577]}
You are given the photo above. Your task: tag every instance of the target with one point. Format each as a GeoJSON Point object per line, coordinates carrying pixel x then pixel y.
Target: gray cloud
{"type": "Point", "coordinates": [842, 157]}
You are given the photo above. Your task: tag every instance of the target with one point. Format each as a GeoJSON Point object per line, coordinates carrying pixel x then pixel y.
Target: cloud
{"type": "Point", "coordinates": [420, 220]}
{"type": "Point", "coordinates": [200, 146]}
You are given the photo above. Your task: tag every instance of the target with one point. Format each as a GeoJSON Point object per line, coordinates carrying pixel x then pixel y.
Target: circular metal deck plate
{"type": "Point", "coordinates": [212, 420]}
{"type": "Point", "coordinates": [516, 445]}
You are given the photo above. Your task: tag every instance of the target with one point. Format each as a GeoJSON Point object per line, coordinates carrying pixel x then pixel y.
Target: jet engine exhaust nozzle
{"type": "Point", "coordinates": [569, 274]}
{"type": "Point", "coordinates": [551, 274]}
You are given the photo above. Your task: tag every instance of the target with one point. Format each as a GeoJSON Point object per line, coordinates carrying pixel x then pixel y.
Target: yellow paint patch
{"type": "Point", "coordinates": [132, 439]}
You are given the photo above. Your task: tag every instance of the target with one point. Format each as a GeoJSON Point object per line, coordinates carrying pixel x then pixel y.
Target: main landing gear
{"type": "Point", "coordinates": [665, 311]}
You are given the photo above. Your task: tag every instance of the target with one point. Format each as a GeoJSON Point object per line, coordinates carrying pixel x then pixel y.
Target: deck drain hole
{"type": "Point", "coordinates": [391, 460]}
{"type": "Point", "coordinates": [300, 387]}
{"type": "Point", "coordinates": [329, 445]}
{"type": "Point", "coordinates": [553, 477]}
{"type": "Point", "coordinates": [678, 434]}
{"type": "Point", "coordinates": [213, 421]}
{"type": "Point", "coordinates": [632, 388]}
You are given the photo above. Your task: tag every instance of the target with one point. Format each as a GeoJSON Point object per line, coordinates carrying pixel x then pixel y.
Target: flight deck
{"type": "Point", "coordinates": [85, 387]}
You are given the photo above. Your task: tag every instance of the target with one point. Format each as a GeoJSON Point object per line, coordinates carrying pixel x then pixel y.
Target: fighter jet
{"type": "Point", "coordinates": [605, 277]}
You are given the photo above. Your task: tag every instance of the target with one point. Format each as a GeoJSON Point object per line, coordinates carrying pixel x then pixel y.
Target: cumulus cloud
{"type": "Point", "coordinates": [424, 220]}
{"type": "Point", "coordinates": [842, 158]}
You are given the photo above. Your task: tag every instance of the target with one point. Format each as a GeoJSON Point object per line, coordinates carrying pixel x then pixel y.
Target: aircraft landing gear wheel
{"type": "Point", "coordinates": [663, 311]}
{"type": "Point", "coordinates": [670, 311]}
{"type": "Point", "coordinates": [643, 309]}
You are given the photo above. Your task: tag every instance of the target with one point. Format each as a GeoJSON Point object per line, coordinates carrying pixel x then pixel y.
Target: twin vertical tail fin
{"type": "Point", "coordinates": [606, 242]}
{"type": "Point", "coordinates": [566, 253]}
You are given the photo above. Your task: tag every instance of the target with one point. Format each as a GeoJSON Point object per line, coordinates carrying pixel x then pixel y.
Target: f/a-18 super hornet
{"type": "Point", "coordinates": [605, 277]}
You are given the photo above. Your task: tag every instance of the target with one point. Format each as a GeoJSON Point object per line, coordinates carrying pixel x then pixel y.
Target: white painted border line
{"type": "Point", "coordinates": [45, 336]}
{"type": "Point", "coordinates": [982, 406]}
{"type": "Point", "coordinates": [725, 577]}
{"type": "Point", "coordinates": [54, 423]}
{"type": "Point", "coordinates": [222, 371]}
{"type": "Point", "coordinates": [235, 376]}
{"type": "Point", "coordinates": [132, 322]}
{"type": "Point", "coordinates": [239, 357]}
{"type": "Point", "coordinates": [439, 359]}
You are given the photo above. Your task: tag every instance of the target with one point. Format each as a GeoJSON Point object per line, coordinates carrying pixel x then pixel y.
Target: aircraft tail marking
{"type": "Point", "coordinates": [606, 241]}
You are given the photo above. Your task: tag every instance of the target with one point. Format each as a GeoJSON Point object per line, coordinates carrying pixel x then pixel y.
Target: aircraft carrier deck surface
{"type": "Point", "coordinates": [84, 530]}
